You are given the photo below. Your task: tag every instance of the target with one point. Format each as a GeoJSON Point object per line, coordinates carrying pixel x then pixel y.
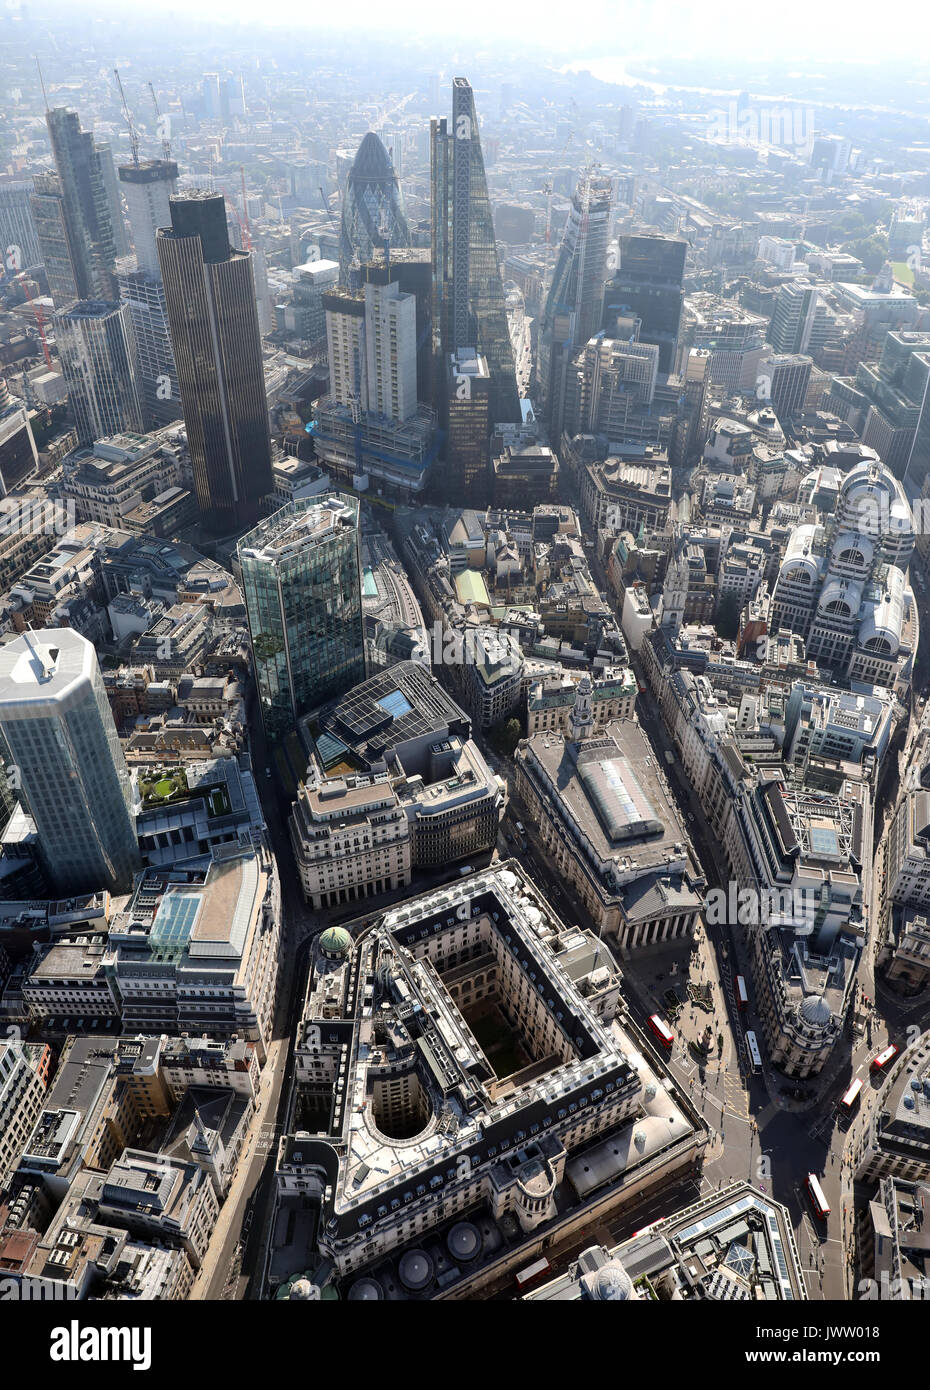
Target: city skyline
{"type": "Point", "coordinates": [464, 676]}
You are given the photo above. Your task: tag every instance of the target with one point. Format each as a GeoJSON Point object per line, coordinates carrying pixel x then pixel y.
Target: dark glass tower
{"type": "Point", "coordinates": [87, 214]}
{"type": "Point", "coordinates": [469, 308]}
{"type": "Point", "coordinates": [301, 578]}
{"type": "Point", "coordinates": [210, 296]}
{"type": "Point", "coordinates": [373, 208]}
{"type": "Point", "coordinates": [648, 284]}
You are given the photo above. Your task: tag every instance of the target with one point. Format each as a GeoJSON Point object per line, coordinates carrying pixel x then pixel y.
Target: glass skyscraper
{"type": "Point", "coordinates": [86, 209]}
{"type": "Point", "coordinates": [372, 210]}
{"type": "Point", "coordinates": [572, 312]}
{"type": "Point", "coordinates": [58, 736]}
{"type": "Point", "coordinates": [97, 348]}
{"type": "Point", "coordinates": [17, 227]}
{"type": "Point", "coordinates": [469, 308]}
{"type": "Point", "coordinates": [648, 284]}
{"type": "Point", "coordinates": [301, 577]}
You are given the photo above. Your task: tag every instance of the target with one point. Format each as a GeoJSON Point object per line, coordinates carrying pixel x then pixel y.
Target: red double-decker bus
{"type": "Point", "coordinates": [885, 1058]}
{"type": "Point", "coordinates": [849, 1098]}
{"type": "Point", "coordinates": [817, 1199]}
{"type": "Point", "coordinates": [742, 998]}
{"type": "Point", "coordinates": [661, 1030]}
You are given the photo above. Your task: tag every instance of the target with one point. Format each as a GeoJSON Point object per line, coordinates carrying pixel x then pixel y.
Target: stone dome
{"type": "Point", "coordinates": [464, 1241]}
{"type": "Point", "coordinates": [815, 1009]}
{"type": "Point", "coordinates": [613, 1283]}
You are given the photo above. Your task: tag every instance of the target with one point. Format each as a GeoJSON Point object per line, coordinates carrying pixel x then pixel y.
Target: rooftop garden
{"type": "Point", "coordinates": [164, 786]}
{"type": "Point", "coordinates": [169, 785]}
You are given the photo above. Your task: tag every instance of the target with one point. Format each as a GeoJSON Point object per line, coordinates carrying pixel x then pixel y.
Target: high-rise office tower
{"type": "Point", "coordinates": [144, 297]}
{"type": "Point", "coordinates": [469, 308]}
{"type": "Point", "coordinates": [19, 245]}
{"type": "Point", "coordinates": [648, 284]}
{"type": "Point", "coordinates": [372, 341]}
{"type": "Point", "coordinates": [47, 205]}
{"type": "Point", "coordinates": [301, 578]}
{"type": "Point", "coordinates": [87, 208]}
{"type": "Point", "coordinates": [210, 295]}
{"type": "Point", "coordinates": [262, 292]}
{"type": "Point", "coordinates": [793, 318]}
{"type": "Point", "coordinates": [303, 317]}
{"type": "Point", "coordinates": [577, 287]}
{"type": "Point", "coordinates": [917, 472]}
{"type": "Point", "coordinates": [114, 201]}
{"type": "Point", "coordinates": [97, 348]}
{"type": "Point", "coordinates": [610, 391]}
{"type": "Point", "coordinates": [370, 429]}
{"type": "Point", "coordinates": [372, 209]}
{"type": "Point", "coordinates": [783, 380]}
{"type": "Point", "coordinates": [391, 344]}
{"type": "Point", "coordinates": [215, 96]}
{"type": "Point", "coordinates": [468, 426]}
{"type": "Point", "coordinates": [56, 729]}
{"type": "Point", "coordinates": [572, 312]}
{"type": "Point", "coordinates": [147, 188]}
{"type": "Point", "coordinates": [410, 269]}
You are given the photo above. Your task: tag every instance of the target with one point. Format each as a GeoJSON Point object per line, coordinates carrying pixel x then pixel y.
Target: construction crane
{"type": "Point", "coordinates": [41, 82]}
{"type": "Point", "coordinates": [39, 315]}
{"type": "Point", "coordinates": [329, 212]}
{"type": "Point", "coordinates": [165, 137]}
{"type": "Point", "coordinates": [133, 136]}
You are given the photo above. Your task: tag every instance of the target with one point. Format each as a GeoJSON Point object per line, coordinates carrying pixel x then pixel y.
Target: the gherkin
{"type": "Point", "coordinates": [373, 207]}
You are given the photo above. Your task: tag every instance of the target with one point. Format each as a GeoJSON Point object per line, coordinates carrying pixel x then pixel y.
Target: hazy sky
{"type": "Point", "coordinates": [804, 30]}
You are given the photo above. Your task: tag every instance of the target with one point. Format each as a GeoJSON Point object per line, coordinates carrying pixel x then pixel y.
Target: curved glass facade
{"type": "Point", "coordinates": [373, 207]}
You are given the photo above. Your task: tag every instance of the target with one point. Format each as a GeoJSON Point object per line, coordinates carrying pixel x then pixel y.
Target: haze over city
{"type": "Point", "coordinates": [464, 734]}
